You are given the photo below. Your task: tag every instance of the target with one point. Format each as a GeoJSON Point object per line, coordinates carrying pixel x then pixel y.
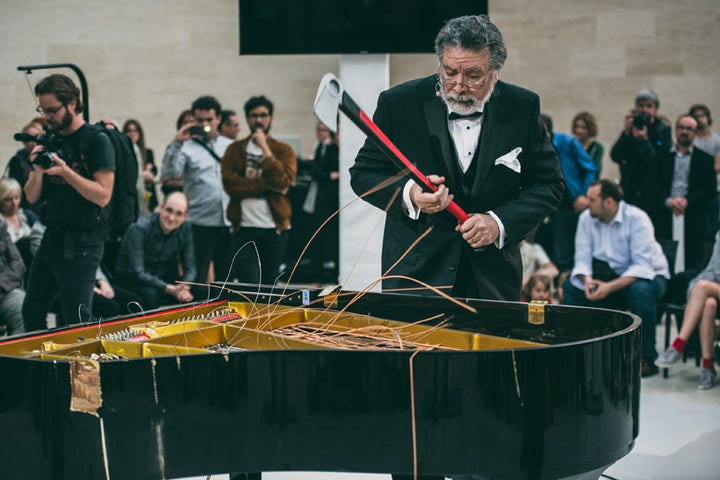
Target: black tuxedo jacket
{"type": "Point", "coordinates": [415, 119]}
{"type": "Point", "coordinates": [702, 185]}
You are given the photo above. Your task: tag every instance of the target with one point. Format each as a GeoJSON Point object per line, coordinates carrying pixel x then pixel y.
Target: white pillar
{"type": "Point", "coordinates": [361, 225]}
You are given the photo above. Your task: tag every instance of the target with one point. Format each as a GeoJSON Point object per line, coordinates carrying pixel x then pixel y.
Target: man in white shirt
{"type": "Point", "coordinates": [618, 263]}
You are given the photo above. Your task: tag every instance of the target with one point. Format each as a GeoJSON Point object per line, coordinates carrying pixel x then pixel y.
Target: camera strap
{"type": "Point", "coordinates": [207, 147]}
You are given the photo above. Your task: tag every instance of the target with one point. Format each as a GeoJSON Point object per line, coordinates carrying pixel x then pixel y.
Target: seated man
{"type": "Point", "coordinates": [12, 273]}
{"type": "Point", "coordinates": [151, 252]}
{"type": "Point", "coordinates": [618, 263]}
{"type": "Point", "coordinates": [701, 308]}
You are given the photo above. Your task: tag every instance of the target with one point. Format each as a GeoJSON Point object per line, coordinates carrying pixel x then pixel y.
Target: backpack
{"type": "Point", "coordinates": [122, 210]}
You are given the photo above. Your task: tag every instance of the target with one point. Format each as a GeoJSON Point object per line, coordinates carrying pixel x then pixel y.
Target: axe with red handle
{"type": "Point", "coordinates": [331, 96]}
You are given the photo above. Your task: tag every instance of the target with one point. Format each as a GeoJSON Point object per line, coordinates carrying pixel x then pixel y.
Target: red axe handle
{"type": "Point", "coordinates": [365, 123]}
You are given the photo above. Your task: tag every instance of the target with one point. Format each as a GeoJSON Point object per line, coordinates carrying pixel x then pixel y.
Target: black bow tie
{"type": "Point", "coordinates": [457, 116]}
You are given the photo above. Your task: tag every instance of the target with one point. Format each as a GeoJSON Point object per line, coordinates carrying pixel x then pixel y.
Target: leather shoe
{"type": "Point", "coordinates": [648, 369]}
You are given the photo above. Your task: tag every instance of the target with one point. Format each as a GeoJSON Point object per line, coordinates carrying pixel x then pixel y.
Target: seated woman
{"type": "Point", "coordinates": [12, 271]}
{"type": "Point", "coordinates": [702, 309]}
{"type": "Point", "coordinates": [23, 225]}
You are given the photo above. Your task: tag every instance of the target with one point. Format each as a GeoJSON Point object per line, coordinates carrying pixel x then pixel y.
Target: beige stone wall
{"type": "Point", "coordinates": [149, 59]}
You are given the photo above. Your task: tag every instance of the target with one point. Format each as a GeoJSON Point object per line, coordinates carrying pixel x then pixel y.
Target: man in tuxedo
{"type": "Point", "coordinates": [686, 185]}
{"type": "Point", "coordinates": [495, 161]}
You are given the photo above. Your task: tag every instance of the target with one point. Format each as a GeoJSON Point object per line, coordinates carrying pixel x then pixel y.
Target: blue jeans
{"type": "Point", "coordinates": [639, 297]}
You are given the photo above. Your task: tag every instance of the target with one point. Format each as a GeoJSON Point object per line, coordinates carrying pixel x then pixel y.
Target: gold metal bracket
{"type": "Point", "coordinates": [536, 312]}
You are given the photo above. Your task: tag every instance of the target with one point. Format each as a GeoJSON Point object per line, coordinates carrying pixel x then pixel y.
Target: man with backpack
{"type": "Point", "coordinates": [73, 173]}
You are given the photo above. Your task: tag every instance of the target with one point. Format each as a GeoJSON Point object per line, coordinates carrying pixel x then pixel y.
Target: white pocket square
{"type": "Point", "coordinates": [510, 160]}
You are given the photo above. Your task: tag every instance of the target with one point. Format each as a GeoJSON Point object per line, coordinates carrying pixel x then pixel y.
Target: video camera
{"type": "Point", "coordinates": [53, 144]}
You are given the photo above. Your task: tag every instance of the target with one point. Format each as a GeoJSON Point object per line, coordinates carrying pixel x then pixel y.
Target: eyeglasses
{"type": "Point", "coordinates": [171, 211]}
{"type": "Point", "coordinates": [49, 111]}
{"type": "Point", "coordinates": [259, 115]}
{"type": "Point", "coordinates": [449, 83]}
{"type": "Point", "coordinates": [683, 127]}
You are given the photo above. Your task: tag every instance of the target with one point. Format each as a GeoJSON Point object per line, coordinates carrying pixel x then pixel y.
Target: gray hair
{"type": "Point", "coordinates": [647, 94]}
{"type": "Point", "coordinates": [472, 32]}
{"type": "Point", "coordinates": [9, 186]}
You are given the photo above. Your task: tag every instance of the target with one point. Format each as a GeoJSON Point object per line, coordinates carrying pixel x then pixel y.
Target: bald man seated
{"type": "Point", "coordinates": [157, 252]}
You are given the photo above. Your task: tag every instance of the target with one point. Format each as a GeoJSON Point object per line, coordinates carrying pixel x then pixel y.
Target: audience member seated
{"type": "Point", "coordinates": [701, 309]}
{"type": "Point", "coordinates": [644, 134]}
{"type": "Point", "coordinates": [584, 128]}
{"type": "Point", "coordinates": [23, 225]}
{"type": "Point", "coordinates": [537, 288]}
{"type": "Point", "coordinates": [618, 263]}
{"type": "Point", "coordinates": [152, 251]}
{"type": "Point", "coordinates": [12, 273]}
{"type": "Point", "coordinates": [535, 261]}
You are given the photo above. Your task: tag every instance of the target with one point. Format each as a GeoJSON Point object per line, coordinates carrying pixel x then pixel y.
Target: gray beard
{"type": "Point", "coordinates": [464, 104]}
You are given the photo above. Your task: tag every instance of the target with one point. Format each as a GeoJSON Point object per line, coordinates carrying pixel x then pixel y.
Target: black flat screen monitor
{"type": "Point", "coordinates": [286, 27]}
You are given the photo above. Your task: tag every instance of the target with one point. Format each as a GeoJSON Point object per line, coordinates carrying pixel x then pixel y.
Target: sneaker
{"type": "Point", "coordinates": [707, 378]}
{"type": "Point", "coordinates": [668, 358]}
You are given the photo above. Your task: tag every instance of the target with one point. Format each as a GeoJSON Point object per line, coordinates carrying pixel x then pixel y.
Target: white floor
{"type": "Point", "coordinates": [679, 434]}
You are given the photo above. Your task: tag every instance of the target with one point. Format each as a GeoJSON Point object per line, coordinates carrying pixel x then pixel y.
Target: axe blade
{"type": "Point", "coordinates": [328, 100]}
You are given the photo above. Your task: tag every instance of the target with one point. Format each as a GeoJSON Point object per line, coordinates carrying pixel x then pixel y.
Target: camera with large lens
{"type": "Point", "coordinates": [641, 120]}
{"type": "Point", "coordinates": [53, 145]}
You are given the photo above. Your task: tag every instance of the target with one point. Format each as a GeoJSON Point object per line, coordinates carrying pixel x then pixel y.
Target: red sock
{"type": "Point", "coordinates": [707, 363]}
{"type": "Point", "coordinates": [679, 344]}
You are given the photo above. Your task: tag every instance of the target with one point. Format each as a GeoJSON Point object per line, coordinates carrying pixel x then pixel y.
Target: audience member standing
{"type": "Point", "coordinates": [618, 263]}
{"type": "Point", "coordinates": [195, 157]}
{"type": "Point", "coordinates": [322, 201]}
{"type": "Point", "coordinates": [686, 186]}
{"type": "Point", "coordinates": [709, 141]}
{"type": "Point", "coordinates": [584, 128]}
{"type": "Point", "coordinates": [229, 124]}
{"type": "Point", "coordinates": [152, 252]}
{"type": "Point", "coordinates": [72, 189]}
{"type": "Point", "coordinates": [147, 193]}
{"type": "Point", "coordinates": [643, 136]}
{"type": "Point", "coordinates": [19, 166]}
{"type": "Point", "coordinates": [579, 171]}
{"type": "Point", "coordinates": [257, 172]}
{"type": "Point", "coordinates": [169, 185]}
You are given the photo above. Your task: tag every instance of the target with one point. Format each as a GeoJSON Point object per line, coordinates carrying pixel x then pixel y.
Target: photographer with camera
{"type": "Point", "coordinates": [194, 155]}
{"type": "Point", "coordinates": [643, 137]}
{"type": "Point", "coordinates": [72, 178]}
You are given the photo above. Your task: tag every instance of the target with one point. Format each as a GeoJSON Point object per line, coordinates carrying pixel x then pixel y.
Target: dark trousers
{"type": "Point", "coordinates": [124, 302]}
{"type": "Point", "coordinates": [66, 269]}
{"type": "Point", "coordinates": [212, 244]}
{"type": "Point", "coordinates": [564, 225]}
{"type": "Point", "coordinates": [262, 266]}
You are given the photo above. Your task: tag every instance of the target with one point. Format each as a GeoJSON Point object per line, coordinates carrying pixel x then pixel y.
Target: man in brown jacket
{"type": "Point", "coordinates": [257, 172]}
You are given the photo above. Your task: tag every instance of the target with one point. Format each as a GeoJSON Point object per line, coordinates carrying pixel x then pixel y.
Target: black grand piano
{"type": "Point", "coordinates": [494, 389]}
